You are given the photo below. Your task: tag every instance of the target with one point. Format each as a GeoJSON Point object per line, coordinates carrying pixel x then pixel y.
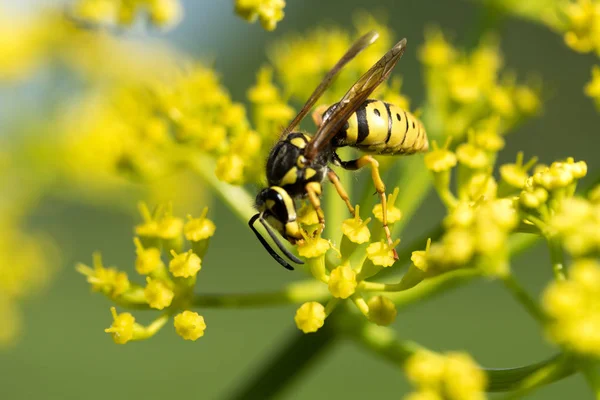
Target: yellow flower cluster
{"type": "Point", "coordinates": [573, 306]}
{"type": "Point", "coordinates": [301, 62]}
{"type": "Point", "coordinates": [169, 286]}
{"type": "Point", "coordinates": [465, 89]}
{"type": "Point", "coordinates": [452, 376]}
{"type": "Point", "coordinates": [360, 259]}
{"type": "Point", "coordinates": [124, 12]}
{"type": "Point", "coordinates": [269, 12]}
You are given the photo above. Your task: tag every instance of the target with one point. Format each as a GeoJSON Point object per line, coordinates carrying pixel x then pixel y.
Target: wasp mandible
{"type": "Point", "coordinates": [299, 163]}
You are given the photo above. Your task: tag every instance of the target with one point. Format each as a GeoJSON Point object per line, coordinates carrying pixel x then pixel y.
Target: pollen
{"type": "Point", "coordinates": [122, 327]}
{"type": "Point", "coordinates": [380, 253]}
{"type": "Point", "coordinates": [197, 229]}
{"type": "Point", "coordinates": [185, 265]}
{"type": "Point", "coordinates": [356, 229]}
{"type": "Point", "coordinates": [307, 215]}
{"type": "Point", "coordinates": [158, 294]}
{"type": "Point", "coordinates": [393, 213]}
{"type": "Point", "coordinates": [310, 317]}
{"type": "Point", "coordinates": [189, 325]}
{"type": "Point", "coordinates": [342, 281]}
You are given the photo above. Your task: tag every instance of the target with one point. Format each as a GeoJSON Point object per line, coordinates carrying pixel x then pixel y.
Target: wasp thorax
{"type": "Point", "coordinates": [287, 167]}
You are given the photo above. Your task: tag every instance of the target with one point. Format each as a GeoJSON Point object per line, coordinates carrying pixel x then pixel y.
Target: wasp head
{"type": "Point", "coordinates": [276, 210]}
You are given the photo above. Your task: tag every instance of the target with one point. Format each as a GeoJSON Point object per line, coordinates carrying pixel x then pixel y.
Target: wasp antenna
{"type": "Point", "coordinates": [262, 240]}
{"type": "Point", "coordinates": [280, 244]}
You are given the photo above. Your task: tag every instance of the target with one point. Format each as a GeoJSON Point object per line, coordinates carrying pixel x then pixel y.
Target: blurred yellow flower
{"type": "Point", "coordinates": [310, 317]}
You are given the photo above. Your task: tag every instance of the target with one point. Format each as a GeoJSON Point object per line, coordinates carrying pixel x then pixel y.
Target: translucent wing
{"type": "Point", "coordinates": [358, 46]}
{"type": "Point", "coordinates": [357, 94]}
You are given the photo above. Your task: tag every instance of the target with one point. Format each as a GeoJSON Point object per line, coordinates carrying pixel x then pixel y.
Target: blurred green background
{"type": "Point", "coordinates": [64, 353]}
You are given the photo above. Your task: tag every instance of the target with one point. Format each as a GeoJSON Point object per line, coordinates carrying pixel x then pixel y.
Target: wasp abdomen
{"type": "Point", "coordinates": [382, 128]}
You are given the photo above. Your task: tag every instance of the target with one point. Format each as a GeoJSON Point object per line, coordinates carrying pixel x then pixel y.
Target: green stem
{"type": "Point", "coordinates": [434, 286]}
{"type": "Point", "coordinates": [294, 293]}
{"type": "Point", "coordinates": [526, 379]}
{"type": "Point", "coordinates": [287, 365]}
{"type": "Point", "coordinates": [521, 295]}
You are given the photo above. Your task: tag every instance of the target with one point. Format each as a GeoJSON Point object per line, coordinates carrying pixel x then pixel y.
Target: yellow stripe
{"type": "Point", "coordinates": [288, 202]}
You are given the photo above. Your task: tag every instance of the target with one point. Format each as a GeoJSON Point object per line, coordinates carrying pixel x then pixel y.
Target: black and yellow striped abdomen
{"type": "Point", "coordinates": [382, 128]}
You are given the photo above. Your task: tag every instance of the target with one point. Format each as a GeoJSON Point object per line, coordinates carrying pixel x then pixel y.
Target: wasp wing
{"type": "Point", "coordinates": [358, 46]}
{"type": "Point", "coordinates": [358, 93]}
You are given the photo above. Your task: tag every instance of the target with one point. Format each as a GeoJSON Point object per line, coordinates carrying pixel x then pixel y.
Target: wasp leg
{"type": "Point", "coordinates": [333, 178]}
{"type": "Point", "coordinates": [317, 115]}
{"type": "Point", "coordinates": [379, 186]}
{"type": "Point", "coordinates": [313, 189]}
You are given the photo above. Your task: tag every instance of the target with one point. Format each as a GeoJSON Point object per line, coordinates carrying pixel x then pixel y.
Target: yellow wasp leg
{"type": "Point", "coordinates": [313, 189]}
{"type": "Point", "coordinates": [379, 186]}
{"type": "Point", "coordinates": [317, 115]}
{"type": "Point", "coordinates": [333, 178]}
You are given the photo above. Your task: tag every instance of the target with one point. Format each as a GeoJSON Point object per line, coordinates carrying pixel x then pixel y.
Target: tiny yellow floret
{"type": "Point", "coordinates": [313, 247]}
{"type": "Point", "coordinates": [185, 265]}
{"type": "Point", "coordinates": [356, 229]}
{"type": "Point", "coordinates": [158, 294]}
{"type": "Point", "coordinates": [393, 213]}
{"type": "Point", "coordinates": [189, 325]}
{"type": "Point", "coordinates": [310, 317]}
{"type": "Point", "coordinates": [197, 229]}
{"type": "Point", "coordinates": [342, 281]}
{"type": "Point", "coordinates": [380, 253]}
{"type": "Point", "coordinates": [121, 329]}
{"type": "Point", "coordinates": [148, 260]}
{"type": "Point", "coordinates": [439, 160]}
{"type": "Point", "coordinates": [382, 310]}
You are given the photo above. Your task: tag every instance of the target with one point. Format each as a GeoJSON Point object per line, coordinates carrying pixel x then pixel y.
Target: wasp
{"type": "Point", "coordinates": [299, 163]}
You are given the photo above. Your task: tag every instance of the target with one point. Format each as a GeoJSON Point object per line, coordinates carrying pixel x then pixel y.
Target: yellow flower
{"type": "Point", "coordinates": [574, 308]}
{"type": "Point", "coordinates": [189, 325]}
{"type": "Point", "coordinates": [380, 253]}
{"type": "Point", "coordinates": [453, 376]}
{"type": "Point", "coordinates": [426, 394]}
{"type": "Point", "coordinates": [424, 368]}
{"type": "Point", "coordinates": [393, 213]}
{"type": "Point", "coordinates": [436, 52]}
{"type": "Point", "coordinates": [158, 294]}
{"type": "Point", "coordinates": [230, 169]}
{"type": "Point", "coordinates": [160, 224]}
{"type": "Point", "coordinates": [185, 265]}
{"type": "Point", "coordinates": [122, 328]}
{"type": "Point", "coordinates": [419, 257]}
{"type": "Point", "coordinates": [382, 310]}
{"type": "Point", "coordinates": [472, 156]}
{"type": "Point", "coordinates": [109, 281]}
{"type": "Point", "coordinates": [313, 247]}
{"type": "Point", "coordinates": [342, 281]}
{"type": "Point", "coordinates": [356, 229]}
{"type": "Point", "coordinates": [310, 317]}
{"type": "Point", "coordinates": [438, 160]}
{"type": "Point", "coordinates": [269, 12]}
{"type": "Point", "coordinates": [165, 12]}
{"type": "Point", "coordinates": [463, 379]}
{"type": "Point", "coordinates": [197, 229]}
{"type": "Point", "coordinates": [147, 260]}
{"type": "Point", "coordinates": [516, 174]}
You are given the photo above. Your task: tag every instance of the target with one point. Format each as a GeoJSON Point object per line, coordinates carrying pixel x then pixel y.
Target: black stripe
{"type": "Point", "coordinates": [363, 124]}
{"type": "Point", "coordinates": [389, 134]}
{"type": "Point", "coordinates": [406, 131]}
